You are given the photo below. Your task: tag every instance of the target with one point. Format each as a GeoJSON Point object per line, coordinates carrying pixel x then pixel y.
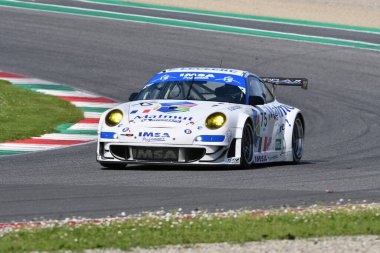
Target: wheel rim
{"type": "Point", "coordinates": [247, 144]}
{"type": "Point", "coordinates": [298, 139]}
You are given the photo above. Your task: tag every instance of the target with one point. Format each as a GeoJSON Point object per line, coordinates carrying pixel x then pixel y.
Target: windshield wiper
{"type": "Point", "coordinates": [191, 86]}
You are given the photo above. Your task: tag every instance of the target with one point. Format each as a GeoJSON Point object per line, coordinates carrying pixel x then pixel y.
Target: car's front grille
{"type": "Point", "coordinates": [157, 154]}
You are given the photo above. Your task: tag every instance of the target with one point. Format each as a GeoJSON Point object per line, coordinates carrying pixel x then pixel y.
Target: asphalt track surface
{"type": "Point", "coordinates": [115, 58]}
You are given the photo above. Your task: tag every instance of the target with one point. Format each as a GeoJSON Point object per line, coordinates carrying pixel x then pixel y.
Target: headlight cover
{"type": "Point", "coordinates": [114, 117]}
{"type": "Point", "coordinates": [215, 120]}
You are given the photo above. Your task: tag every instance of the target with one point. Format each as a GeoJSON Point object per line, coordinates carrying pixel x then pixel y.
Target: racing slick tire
{"type": "Point", "coordinates": [247, 151]}
{"type": "Point", "coordinates": [298, 139]}
{"type": "Point", "coordinates": [113, 166]}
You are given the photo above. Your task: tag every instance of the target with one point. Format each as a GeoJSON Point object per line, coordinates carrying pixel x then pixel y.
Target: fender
{"type": "Point", "coordinates": [242, 118]}
{"type": "Point", "coordinates": [291, 117]}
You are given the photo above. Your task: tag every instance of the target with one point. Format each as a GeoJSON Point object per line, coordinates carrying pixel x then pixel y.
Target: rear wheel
{"type": "Point", "coordinates": [113, 166]}
{"type": "Point", "coordinates": [298, 140]}
{"type": "Point", "coordinates": [246, 147]}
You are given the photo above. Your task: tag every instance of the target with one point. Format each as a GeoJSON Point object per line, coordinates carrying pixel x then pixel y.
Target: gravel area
{"type": "Point", "coordinates": [349, 12]}
{"type": "Point", "coordinates": [365, 244]}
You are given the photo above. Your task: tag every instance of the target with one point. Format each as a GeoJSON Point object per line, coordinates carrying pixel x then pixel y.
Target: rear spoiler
{"type": "Point", "coordinates": [302, 82]}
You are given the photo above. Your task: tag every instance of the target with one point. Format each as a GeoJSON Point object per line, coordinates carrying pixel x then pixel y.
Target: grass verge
{"type": "Point", "coordinates": [159, 229]}
{"type": "Point", "coordinates": [25, 113]}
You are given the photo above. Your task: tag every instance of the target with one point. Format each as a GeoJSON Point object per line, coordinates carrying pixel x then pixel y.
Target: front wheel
{"type": "Point", "coordinates": [246, 147]}
{"type": "Point", "coordinates": [298, 140]}
{"type": "Point", "coordinates": [113, 166]}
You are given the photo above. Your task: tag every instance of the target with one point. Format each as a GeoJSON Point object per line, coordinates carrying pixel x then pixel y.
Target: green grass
{"type": "Point", "coordinates": [155, 232]}
{"type": "Point", "coordinates": [25, 113]}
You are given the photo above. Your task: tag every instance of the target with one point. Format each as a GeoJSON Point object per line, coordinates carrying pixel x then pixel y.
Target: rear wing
{"type": "Point", "coordinates": [302, 82]}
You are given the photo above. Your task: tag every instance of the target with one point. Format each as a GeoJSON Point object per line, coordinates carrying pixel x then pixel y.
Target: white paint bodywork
{"type": "Point", "coordinates": [151, 123]}
{"type": "Point", "coordinates": [272, 124]}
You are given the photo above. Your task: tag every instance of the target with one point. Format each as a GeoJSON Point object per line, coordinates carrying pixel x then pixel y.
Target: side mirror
{"type": "Point", "coordinates": [256, 100]}
{"type": "Point", "coordinates": [133, 96]}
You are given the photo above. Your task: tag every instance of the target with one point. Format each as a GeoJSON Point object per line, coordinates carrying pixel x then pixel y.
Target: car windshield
{"type": "Point", "coordinates": [193, 90]}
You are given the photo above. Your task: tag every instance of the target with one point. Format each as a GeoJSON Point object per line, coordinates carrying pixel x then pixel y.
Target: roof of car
{"type": "Point", "coordinates": [207, 70]}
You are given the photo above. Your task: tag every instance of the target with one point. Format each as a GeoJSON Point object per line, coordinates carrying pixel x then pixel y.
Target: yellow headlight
{"type": "Point", "coordinates": [215, 120]}
{"type": "Point", "coordinates": [114, 117]}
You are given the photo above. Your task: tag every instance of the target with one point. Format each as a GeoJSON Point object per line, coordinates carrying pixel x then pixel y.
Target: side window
{"type": "Point", "coordinates": [268, 95]}
{"type": "Point", "coordinates": [255, 87]}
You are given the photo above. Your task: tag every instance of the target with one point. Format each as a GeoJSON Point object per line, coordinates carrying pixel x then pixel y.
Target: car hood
{"type": "Point", "coordinates": [172, 113]}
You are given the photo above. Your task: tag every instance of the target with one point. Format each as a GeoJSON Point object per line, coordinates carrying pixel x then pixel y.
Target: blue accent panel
{"type": "Point", "coordinates": [107, 135]}
{"type": "Point", "coordinates": [212, 138]}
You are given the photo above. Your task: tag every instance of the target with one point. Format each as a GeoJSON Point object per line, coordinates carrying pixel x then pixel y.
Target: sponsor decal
{"type": "Point", "coordinates": [144, 104]}
{"type": "Point", "coordinates": [233, 160]}
{"type": "Point", "coordinates": [173, 107]}
{"type": "Point", "coordinates": [163, 118]}
{"type": "Point", "coordinates": [233, 108]}
{"type": "Point", "coordinates": [176, 107]}
{"type": "Point", "coordinates": [217, 75]}
{"type": "Point", "coordinates": [153, 136]}
{"type": "Point", "coordinates": [164, 77]}
{"type": "Point", "coordinates": [127, 132]}
{"type": "Point", "coordinates": [232, 81]}
{"type": "Point", "coordinates": [286, 81]}
{"type": "Point", "coordinates": [155, 154]}
{"type": "Point", "coordinates": [275, 157]}
{"type": "Point", "coordinates": [281, 128]}
{"type": "Point", "coordinates": [190, 76]}
{"type": "Point", "coordinates": [228, 79]}
{"type": "Point", "coordinates": [278, 146]}
{"type": "Point", "coordinates": [261, 158]}
{"type": "Point", "coordinates": [276, 111]}
{"type": "Point", "coordinates": [188, 131]}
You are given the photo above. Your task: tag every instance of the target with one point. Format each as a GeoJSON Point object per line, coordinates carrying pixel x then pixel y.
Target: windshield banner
{"type": "Point", "coordinates": [198, 76]}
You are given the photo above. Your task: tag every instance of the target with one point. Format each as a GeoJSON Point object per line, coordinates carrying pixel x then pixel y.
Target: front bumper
{"type": "Point", "coordinates": [141, 153]}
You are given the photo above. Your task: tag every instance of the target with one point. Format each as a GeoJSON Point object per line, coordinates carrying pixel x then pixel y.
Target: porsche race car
{"type": "Point", "coordinates": [203, 116]}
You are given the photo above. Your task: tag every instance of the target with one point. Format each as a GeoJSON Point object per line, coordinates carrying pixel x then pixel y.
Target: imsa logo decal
{"type": "Point", "coordinates": [261, 159]}
{"type": "Point", "coordinates": [190, 76]}
{"type": "Point", "coordinates": [153, 136]}
{"type": "Point", "coordinates": [157, 154]}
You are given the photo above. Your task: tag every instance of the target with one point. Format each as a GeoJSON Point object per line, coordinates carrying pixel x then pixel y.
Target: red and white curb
{"type": "Point", "coordinates": [81, 132]}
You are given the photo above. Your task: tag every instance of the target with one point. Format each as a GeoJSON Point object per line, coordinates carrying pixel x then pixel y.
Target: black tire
{"type": "Point", "coordinates": [113, 166]}
{"type": "Point", "coordinates": [298, 139]}
{"type": "Point", "coordinates": [247, 151]}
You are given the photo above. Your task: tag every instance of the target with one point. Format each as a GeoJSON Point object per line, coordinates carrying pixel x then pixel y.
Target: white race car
{"type": "Point", "coordinates": [203, 116]}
